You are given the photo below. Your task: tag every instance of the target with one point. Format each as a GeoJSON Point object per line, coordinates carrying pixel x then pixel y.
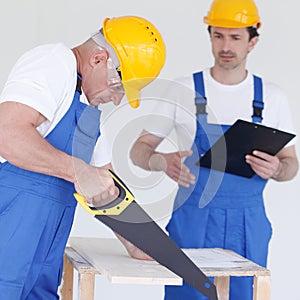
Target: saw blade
{"type": "Point", "coordinates": [136, 226]}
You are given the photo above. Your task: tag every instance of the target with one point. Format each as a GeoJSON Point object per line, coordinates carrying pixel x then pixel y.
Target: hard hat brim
{"type": "Point", "coordinates": [133, 94]}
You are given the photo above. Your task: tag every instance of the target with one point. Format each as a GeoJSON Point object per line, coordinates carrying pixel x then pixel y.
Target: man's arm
{"type": "Point", "coordinates": [23, 146]}
{"type": "Point", "coordinates": [143, 154]}
{"type": "Point", "coordinates": [281, 167]}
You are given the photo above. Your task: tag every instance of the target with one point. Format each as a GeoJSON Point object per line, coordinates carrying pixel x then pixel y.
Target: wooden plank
{"type": "Point", "coordinates": [219, 262]}
{"type": "Point", "coordinates": [67, 282]}
{"type": "Point", "coordinates": [262, 288]}
{"type": "Point", "coordinates": [222, 286]}
{"type": "Point", "coordinates": [86, 284]}
{"type": "Point", "coordinates": [78, 262]}
{"type": "Point", "coordinates": [86, 276]}
{"type": "Point", "coordinates": [110, 257]}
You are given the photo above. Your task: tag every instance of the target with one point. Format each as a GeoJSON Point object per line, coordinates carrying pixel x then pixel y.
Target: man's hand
{"type": "Point", "coordinates": [281, 167]}
{"type": "Point", "coordinates": [94, 184]}
{"type": "Point", "coordinates": [172, 165]}
{"type": "Point", "coordinates": [132, 250]}
{"type": "Point", "coordinates": [263, 164]}
{"type": "Point", "coordinates": [144, 155]}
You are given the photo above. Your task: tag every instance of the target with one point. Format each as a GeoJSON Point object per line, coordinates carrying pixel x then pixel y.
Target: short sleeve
{"type": "Point", "coordinates": [40, 79]}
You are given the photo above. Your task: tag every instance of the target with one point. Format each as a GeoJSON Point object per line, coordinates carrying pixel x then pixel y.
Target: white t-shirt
{"type": "Point", "coordinates": [45, 79]}
{"type": "Point", "coordinates": [225, 104]}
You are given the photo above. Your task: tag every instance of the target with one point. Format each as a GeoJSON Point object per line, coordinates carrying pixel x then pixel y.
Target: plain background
{"type": "Point", "coordinates": [25, 24]}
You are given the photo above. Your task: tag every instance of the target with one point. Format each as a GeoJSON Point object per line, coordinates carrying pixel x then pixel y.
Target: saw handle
{"type": "Point", "coordinates": [115, 207]}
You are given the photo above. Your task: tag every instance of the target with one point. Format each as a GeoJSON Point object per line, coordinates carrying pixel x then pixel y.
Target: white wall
{"type": "Point", "coordinates": [25, 24]}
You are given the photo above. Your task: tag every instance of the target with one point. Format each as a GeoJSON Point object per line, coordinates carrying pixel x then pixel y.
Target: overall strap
{"type": "Point", "coordinates": [200, 99]}
{"type": "Point", "coordinates": [87, 127]}
{"type": "Point", "coordinates": [258, 104]}
{"type": "Point", "coordinates": [78, 85]}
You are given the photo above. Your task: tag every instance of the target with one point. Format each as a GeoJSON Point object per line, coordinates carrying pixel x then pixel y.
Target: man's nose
{"type": "Point", "coordinates": [226, 44]}
{"type": "Point", "coordinates": [116, 98]}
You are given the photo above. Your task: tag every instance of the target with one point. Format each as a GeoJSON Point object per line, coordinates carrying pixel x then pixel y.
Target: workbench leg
{"type": "Point", "coordinates": [262, 288]}
{"type": "Point", "coordinates": [222, 286]}
{"type": "Point", "coordinates": [86, 285]}
{"type": "Point", "coordinates": [67, 282]}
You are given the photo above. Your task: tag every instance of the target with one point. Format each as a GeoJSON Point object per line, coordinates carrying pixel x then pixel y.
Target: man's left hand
{"type": "Point", "coordinates": [263, 164]}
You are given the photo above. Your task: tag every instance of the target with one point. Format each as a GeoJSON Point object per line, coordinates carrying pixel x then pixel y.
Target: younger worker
{"type": "Point", "coordinates": [221, 210]}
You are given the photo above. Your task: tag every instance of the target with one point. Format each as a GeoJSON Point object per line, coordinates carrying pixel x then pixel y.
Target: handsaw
{"type": "Point", "coordinates": [127, 218]}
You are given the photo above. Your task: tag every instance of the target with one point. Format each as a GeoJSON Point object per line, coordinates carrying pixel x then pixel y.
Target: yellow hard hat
{"type": "Point", "coordinates": [233, 14]}
{"type": "Point", "coordinates": [140, 49]}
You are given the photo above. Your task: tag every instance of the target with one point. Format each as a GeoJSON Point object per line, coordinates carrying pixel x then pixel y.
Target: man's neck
{"type": "Point", "coordinates": [228, 76]}
{"type": "Point", "coordinates": [76, 51]}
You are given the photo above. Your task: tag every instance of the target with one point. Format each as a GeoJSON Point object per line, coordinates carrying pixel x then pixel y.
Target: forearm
{"type": "Point", "coordinates": [287, 169]}
{"type": "Point", "coordinates": [141, 154]}
{"type": "Point", "coordinates": [23, 146]}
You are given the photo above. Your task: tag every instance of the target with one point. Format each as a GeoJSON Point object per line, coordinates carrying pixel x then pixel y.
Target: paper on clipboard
{"type": "Point", "coordinates": [228, 153]}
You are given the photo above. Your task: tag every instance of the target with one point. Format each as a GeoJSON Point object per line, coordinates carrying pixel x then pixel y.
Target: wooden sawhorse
{"type": "Point", "coordinates": [91, 256]}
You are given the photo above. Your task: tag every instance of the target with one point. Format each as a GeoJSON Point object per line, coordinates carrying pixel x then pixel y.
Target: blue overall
{"type": "Point", "coordinates": [37, 210]}
{"type": "Point", "coordinates": [221, 210]}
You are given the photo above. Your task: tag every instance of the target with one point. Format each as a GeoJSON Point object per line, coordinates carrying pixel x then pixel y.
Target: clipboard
{"type": "Point", "coordinates": [228, 153]}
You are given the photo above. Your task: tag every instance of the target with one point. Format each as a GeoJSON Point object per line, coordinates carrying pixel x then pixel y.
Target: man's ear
{"type": "Point", "coordinates": [252, 43]}
{"type": "Point", "coordinates": [98, 56]}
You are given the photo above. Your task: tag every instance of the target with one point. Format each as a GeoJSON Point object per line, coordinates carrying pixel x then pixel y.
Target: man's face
{"type": "Point", "coordinates": [230, 46]}
{"type": "Point", "coordinates": [101, 83]}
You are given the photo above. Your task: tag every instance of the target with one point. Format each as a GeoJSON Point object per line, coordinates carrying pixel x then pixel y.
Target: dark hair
{"type": "Point", "coordinates": [252, 32]}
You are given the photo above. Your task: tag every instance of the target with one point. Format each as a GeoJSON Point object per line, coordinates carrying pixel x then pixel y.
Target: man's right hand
{"type": "Point", "coordinates": [94, 184]}
{"type": "Point", "coordinates": [173, 166]}
{"type": "Point", "coordinates": [144, 155]}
